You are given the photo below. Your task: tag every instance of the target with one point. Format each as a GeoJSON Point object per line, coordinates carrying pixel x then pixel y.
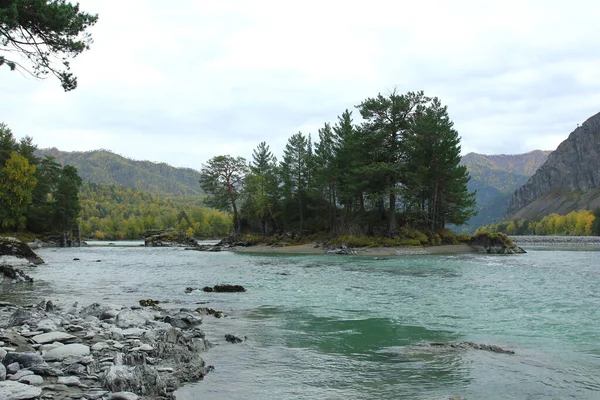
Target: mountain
{"type": "Point", "coordinates": [569, 180]}
{"type": "Point", "coordinates": [103, 166]}
{"type": "Point", "coordinates": [495, 178]}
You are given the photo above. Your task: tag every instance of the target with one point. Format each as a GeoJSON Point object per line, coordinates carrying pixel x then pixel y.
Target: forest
{"type": "Point", "coordinates": [115, 212]}
{"type": "Point", "coordinates": [396, 171]}
{"type": "Point", "coordinates": [575, 223]}
{"type": "Point", "coordinates": [39, 196]}
{"type": "Point", "coordinates": [36, 194]}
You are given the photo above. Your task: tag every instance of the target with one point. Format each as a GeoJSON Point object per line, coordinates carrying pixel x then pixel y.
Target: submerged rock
{"type": "Point", "coordinates": [474, 346]}
{"type": "Point", "coordinates": [224, 288]}
{"type": "Point", "coordinates": [233, 339]}
{"type": "Point", "coordinates": [210, 311]}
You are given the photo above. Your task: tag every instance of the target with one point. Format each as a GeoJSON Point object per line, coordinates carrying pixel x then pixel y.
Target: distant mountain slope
{"type": "Point", "coordinates": [568, 181]}
{"type": "Point", "coordinates": [103, 166]}
{"type": "Point", "coordinates": [495, 177]}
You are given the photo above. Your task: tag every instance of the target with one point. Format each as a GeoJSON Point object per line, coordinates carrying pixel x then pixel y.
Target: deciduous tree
{"type": "Point", "coordinates": [16, 185]}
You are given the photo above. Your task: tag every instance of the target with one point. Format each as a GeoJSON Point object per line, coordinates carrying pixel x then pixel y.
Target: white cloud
{"type": "Point", "coordinates": [184, 83]}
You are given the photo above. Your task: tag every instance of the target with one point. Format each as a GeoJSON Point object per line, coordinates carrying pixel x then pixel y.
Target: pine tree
{"type": "Point", "coordinates": [45, 33]}
{"type": "Point", "coordinates": [326, 172]}
{"type": "Point", "coordinates": [294, 171]}
{"type": "Point", "coordinates": [437, 182]}
{"type": "Point", "coordinates": [262, 187]}
{"type": "Point", "coordinates": [388, 119]}
{"type": "Point", "coordinates": [66, 200]}
{"type": "Point", "coordinates": [223, 178]}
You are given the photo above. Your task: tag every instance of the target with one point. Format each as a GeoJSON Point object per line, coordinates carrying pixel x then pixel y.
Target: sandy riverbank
{"type": "Point", "coordinates": [310, 248]}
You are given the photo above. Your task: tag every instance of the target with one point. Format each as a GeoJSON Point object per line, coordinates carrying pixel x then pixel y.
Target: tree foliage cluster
{"type": "Point", "coordinates": [399, 167]}
{"type": "Point", "coordinates": [45, 34]}
{"type": "Point", "coordinates": [575, 223]}
{"type": "Point", "coordinates": [115, 212]}
{"type": "Point", "coordinates": [36, 194]}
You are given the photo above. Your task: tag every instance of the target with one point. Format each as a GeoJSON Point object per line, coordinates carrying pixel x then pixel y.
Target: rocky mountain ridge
{"type": "Point", "coordinates": [495, 178]}
{"type": "Point", "coordinates": [569, 176]}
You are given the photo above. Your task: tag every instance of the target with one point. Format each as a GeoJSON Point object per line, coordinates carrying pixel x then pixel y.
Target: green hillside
{"type": "Point", "coordinates": [105, 167]}
{"type": "Point", "coordinates": [495, 178]}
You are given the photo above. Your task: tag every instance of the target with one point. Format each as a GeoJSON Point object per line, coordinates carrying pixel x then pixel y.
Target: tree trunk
{"type": "Point", "coordinates": [334, 222]}
{"type": "Point", "coordinates": [392, 215]}
{"type": "Point", "coordinates": [300, 209]}
{"type": "Point", "coordinates": [434, 208]}
{"type": "Point", "coordinates": [236, 219]}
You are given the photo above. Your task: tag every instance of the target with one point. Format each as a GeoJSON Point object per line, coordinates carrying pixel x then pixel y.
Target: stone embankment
{"type": "Point", "coordinates": [98, 352]}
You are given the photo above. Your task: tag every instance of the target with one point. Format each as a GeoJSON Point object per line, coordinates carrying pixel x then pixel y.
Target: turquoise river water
{"type": "Point", "coordinates": [352, 327]}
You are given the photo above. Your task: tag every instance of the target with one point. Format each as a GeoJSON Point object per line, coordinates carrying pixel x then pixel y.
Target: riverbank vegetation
{"type": "Point", "coordinates": [397, 171]}
{"type": "Point", "coordinates": [39, 197]}
{"type": "Point", "coordinates": [36, 194]}
{"type": "Point", "coordinates": [576, 223]}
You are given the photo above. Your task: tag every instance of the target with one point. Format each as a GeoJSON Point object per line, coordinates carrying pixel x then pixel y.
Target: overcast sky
{"type": "Point", "coordinates": [183, 82]}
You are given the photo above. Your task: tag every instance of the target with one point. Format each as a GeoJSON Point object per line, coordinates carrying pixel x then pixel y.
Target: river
{"type": "Point", "coordinates": [352, 327]}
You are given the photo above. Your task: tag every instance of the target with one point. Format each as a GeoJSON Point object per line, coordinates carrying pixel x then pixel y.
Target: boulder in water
{"type": "Point", "coordinates": [224, 288]}
{"type": "Point", "coordinates": [15, 274]}
{"type": "Point", "coordinates": [10, 246]}
{"type": "Point", "coordinates": [497, 243]}
{"type": "Point", "coordinates": [233, 339]}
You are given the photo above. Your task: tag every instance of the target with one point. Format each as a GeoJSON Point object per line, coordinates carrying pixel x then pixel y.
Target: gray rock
{"type": "Point", "coordinates": [19, 317]}
{"type": "Point", "coordinates": [62, 352]}
{"type": "Point", "coordinates": [69, 381]}
{"type": "Point", "coordinates": [183, 320]}
{"type": "Point", "coordinates": [19, 374]}
{"type": "Point", "coordinates": [48, 347]}
{"type": "Point", "coordinates": [133, 318]}
{"type": "Point", "coordinates": [11, 390]}
{"type": "Point", "coordinates": [25, 360]}
{"type": "Point", "coordinates": [75, 369]}
{"type": "Point", "coordinates": [46, 325]}
{"type": "Point", "coordinates": [12, 368]}
{"type": "Point", "coordinates": [32, 380]}
{"type": "Point", "coordinates": [100, 346]}
{"type": "Point", "coordinates": [11, 246]}
{"type": "Point", "coordinates": [2, 353]}
{"type": "Point", "coordinates": [143, 347]}
{"type": "Point", "coordinates": [53, 337]}
{"type": "Point", "coordinates": [131, 332]}
{"type": "Point", "coordinates": [96, 394]}
{"type": "Point", "coordinates": [13, 273]}
{"type": "Point", "coordinates": [124, 396]}
{"type": "Point", "coordinates": [141, 378]}
{"type": "Point", "coordinates": [2, 372]}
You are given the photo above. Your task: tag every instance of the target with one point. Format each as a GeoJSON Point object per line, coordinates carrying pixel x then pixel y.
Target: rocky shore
{"type": "Point", "coordinates": [100, 351]}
